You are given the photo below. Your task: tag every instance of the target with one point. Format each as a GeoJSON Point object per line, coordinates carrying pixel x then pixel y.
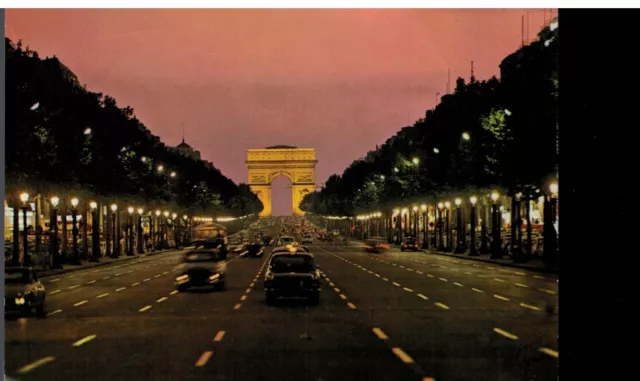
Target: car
{"type": "Point", "coordinates": [409, 244]}
{"type": "Point", "coordinates": [254, 250]}
{"type": "Point", "coordinates": [267, 240]}
{"type": "Point", "coordinates": [202, 268]}
{"type": "Point", "coordinates": [23, 292]}
{"type": "Point", "coordinates": [307, 239]}
{"type": "Point", "coordinates": [292, 274]}
{"type": "Point", "coordinates": [285, 240]}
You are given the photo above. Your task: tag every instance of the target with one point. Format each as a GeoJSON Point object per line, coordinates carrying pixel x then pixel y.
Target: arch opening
{"type": "Point", "coordinates": [281, 196]}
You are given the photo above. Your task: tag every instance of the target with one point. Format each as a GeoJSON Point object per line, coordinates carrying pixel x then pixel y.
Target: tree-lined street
{"type": "Point", "coordinates": [392, 316]}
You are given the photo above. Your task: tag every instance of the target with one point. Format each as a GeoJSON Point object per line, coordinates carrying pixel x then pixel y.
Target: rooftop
{"type": "Point", "coordinates": [281, 147]}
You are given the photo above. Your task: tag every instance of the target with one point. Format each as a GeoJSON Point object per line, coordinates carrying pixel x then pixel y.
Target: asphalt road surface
{"type": "Point", "coordinates": [392, 316]}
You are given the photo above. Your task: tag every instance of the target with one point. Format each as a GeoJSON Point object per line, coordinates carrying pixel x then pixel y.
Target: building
{"type": "Point", "coordinates": [185, 150]}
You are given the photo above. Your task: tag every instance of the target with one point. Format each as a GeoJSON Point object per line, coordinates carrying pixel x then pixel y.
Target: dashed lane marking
{"type": "Point", "coordinates": [84, 340]}
{"type": "Point", "coordinates": [36, 364]}
{"type": "Point", "coordinates": [204, 358]}
{"type": "Point", "coordinates": [529, 306]}
{"type": "Point", "coordinates": [243, 297]}
{"type": "Point", "coordinates": [91, 282]}
{"type": "Point", "coordinates": [351, 305]}
{"type": "Point", "coordinates": [385, 279]}
{"type": "Point", "coordinates": [443, 279]}
{"type": "Point", "coordinates": [146, 280]}
{"type": "Point", "coordinates": [499, 280]}
{"type": "Point", "coordinates": [549, 351]}
{"type": "Point", "coordinates": [407, 289]}
{"type": "Point", "coordinates": [519, 273]}
{"type": "Point", "coordinates": [396, 284]}
{"type": "Point", "coordinates": [380, 334]}
{"type": "Point", "coordinates": [521, 285]}
{"type": "Point", "coordinates": [54, 292]}
{"type": "Point", "coordinates": [145, 308]}
{"type": "Point", "coordinates": [378, 275]}
{"type": "Point", "coordinates": [103, 295]}
{"type": "Point", "coordinates": [81, 303]}
{"type": "Point", "coordinates": [74, 286]}
{"type": "Point", "coordinates": [54, 312]}
{"type": "Point", "coordinates": [419, 272]}
{"type": "Point", "coordinates": [173, 292]}
{"type": "Point", "coordinates": [135, 284]}
{"type": "Point", "coordinates": [105, 278]}
{"type": "Point", "coordinates": [430, 276]}
{"type": "Point", "coordinates": [441, 305]}
{"type": "Point", "coordinates": [54, 280]}
{"type": "Point", "coordinates": [248, 290]}
{"type": "Point", "coordinates": [458, 284]}
{"type": "Point", "coordinates": [477, 289]}
{"type": "Point", "coordinates": [402, 355]}
{"type": "Point", "coordinates": [468, 273]}
{"type": "Point", "coordinates": [423, 297]}
{"type": "Point", "coordinates": [120, 289]}
{"type": "Point", "coordinates": [237, 306]}
{"type": "Point", "coordinates": [161, 299]}
{"type": "Point", "coordinates": [506, 334]}
{"type": "Point", "coordinates": [218, 337]}
{"type": "Point", "coordinates": [336, 289]}
{"type": "Point", "coordinates": [551, 292]}
{"type": "Point", "coordinates": [500, 297]}
{"type": "Point", "coordinates": [343, 297]}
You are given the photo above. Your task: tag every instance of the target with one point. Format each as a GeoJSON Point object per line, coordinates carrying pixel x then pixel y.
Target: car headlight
{"type": "Point", "coordinates": [19, 300]}
{"type": "Point", "coordinates": [214, 277]}
{"type": "Point", "coordinates": [182, 278]}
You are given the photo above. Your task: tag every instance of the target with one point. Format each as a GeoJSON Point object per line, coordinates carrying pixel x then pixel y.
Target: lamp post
{"type": "Point", "coordinates": [517, 254]}
{"type": "Point", "coordinates": [55, 257]}
{"type": "Point", "coordinates": [74, 231]}
{"type": "Point", "coordinates": [131, 210]}
{"type": "Point", "coordinates": [472, 251]}
{"type": "Point", "coordinates": [24, 197]}
{"type": "Point", "coordinates": [158, 228]}
{"type": "Point", "coordinates": [484, 244]}
{"type": "Point", "coordinates": [95, 232]}
{"type": "Point", "coordinates": [416, 220]}
{"type": "Point", "coordinates": [165, 233]}
{"type": "Point", "coordinates": [176, 228]}
{"type": "Point", "coordinates": [440, 227]}
{"type": "Point", "coordinates": [152, 228]}
{"type": "Point", "coordinates": [496, 247]}
{"type": "Point", "coordinates": [460, 236]}
{"type": "Point", "coordinates": [116, 241]}
{"type": "Point", "coordinates": [449, 247]}
{"type": "Point", "coordinates": [550, 240]}
{"type": "Point", "coordinates": [185, 234]}
{"type": "Point", "coordinates": [425, 228]}
{"type": "Point", "coordinates": [140, 234]}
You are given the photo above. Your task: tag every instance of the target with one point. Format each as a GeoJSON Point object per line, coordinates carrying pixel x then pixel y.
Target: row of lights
{"type": "Point", "coordinates": [369, 216]}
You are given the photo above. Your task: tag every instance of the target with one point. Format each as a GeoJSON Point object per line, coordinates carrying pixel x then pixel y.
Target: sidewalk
{"type": "Point", "coordinates": [534, 265]}
{"type": "Point", "coordinates": [104, 261]}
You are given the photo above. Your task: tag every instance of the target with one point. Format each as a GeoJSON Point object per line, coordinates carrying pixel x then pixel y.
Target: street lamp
{"type": "Point", "coordinates": [382, 177]}
{"type": "Point", "coordinates": [447, 206]}
{"type": "Point", "coordinates": [415, 221]}
{"type": "Point", "coordinates": [496, 249]}
{"type": "Point", "coordinates": [131, 210]}
{"type": "Point", "coordinates": [87, 131]}
{"type": "Point", "coordinates": [460, 234]}
{"type": "Point", "coordinates": [416, 161]}
{"type": "Point", "coordinates": [160, 168]}
{"type": "Point", "coordinates": [440, 225]}
{"type": "Point", "coordinates": [74, 230]}
{"type": "Point", "coordinates": [140, 234]}
{"type": "Point", "coordinates": [158, 228]}
{"type": "Point", "coordinates": [466, 136]}
{"type": "Point", "coordinates": [116, 241]}
{"type": "Point", "coordinates": [173, 174]}
{"type": "Point", "coordinates": [425, 227]}
{"type": "Point", "coordinates": [95, 232]}
{"type": "Point", "coordinates": [55, 258]}
{"type": "Point", "coordinates": [435, 150]}
{"type": "Point", "coordinates": [473, 252]}
{"type": "Point", "coordinates": [24, 197]}
{"type": "Point", "coordinates": [396, 170]}
{"type": "Point", "coordinates": [550, 240]}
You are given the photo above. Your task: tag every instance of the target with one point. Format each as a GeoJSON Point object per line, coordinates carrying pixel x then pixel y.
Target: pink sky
{"type": "Point", "coordinates": [339, 81]}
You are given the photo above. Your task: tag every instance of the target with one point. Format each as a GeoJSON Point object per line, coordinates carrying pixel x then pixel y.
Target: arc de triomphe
{"type": "Point", "coordinates": [297, 164]}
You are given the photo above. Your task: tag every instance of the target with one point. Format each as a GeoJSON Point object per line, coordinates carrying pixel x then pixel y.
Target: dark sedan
{"type": "Point", "coordinates": [293, 274]}
{"type": "Point", "coordinates": [202, 268]}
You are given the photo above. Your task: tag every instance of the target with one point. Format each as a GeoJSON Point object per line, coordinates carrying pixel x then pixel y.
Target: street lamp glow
{"type": "Point", "coordinates": [114, 207]}
{"type": "Point", "coordinates": [185, 217]}
{"type": "Point", "coordinates": [440, 205]}
{"type": "Point", "coordinates": [396, 211]}
{"type": "Point", "coordinates": [74, 202]}
{"type": "Point", "coordinates": [415, 208]}
{"type": "Point", "coordinates": [160, 168]}
{"type": "Point", "coordinates": [130, 210]}
{"type": "Point", "coordinates": [553, 188]}
{"type": "Point", "coordinates": [416, 161]}
{"type": "Point", "coordinates": [158, 213]}
{"type": "Point", "coordinates": [506, 111]}
{"type": "Point", "coordinates": [140, 211]}
{"type": "Point", "coordinates": [93, 205]}
{"type": "Point", "coordinates": [24, 197]}
{"type": "Point", "coordinates": [143, 159]}
{"type": "Point", "coordinates": [174, 215]}
{"type": "Point", "coordinates": [435, 150]}
{"type": "Point", "coordinates": [423, 207]}
{"type": "Point", "coordinates": [166, 214]}
{"type": "Point", "coordinates": [395, 169]}
{"type": "Point", "coordinates": [466, 136]}
{"type": "Point", "coordinates": [55, 201]}
{"type": "Point", "coordinates": [381, 177]}
{"type": "Point", "coordinates": [495, 196]}
{"type": "Point", "coordinates": [458, 201]}
{"type": "Point", "coordinates": [473, 200]}
{"type": "Point", "coordinates": [404, 210]}
{"type": "Point", "coordinates": [87, 131]}
{"type": "Point", "coordinates": [173, 174]}
{"type": "Point", "coordinates": [447, 204]}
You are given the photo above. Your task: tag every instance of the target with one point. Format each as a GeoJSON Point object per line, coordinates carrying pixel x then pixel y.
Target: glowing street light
{"type": "Point", "coordinates": [131, 209]}
{"type": "Point", "coordinates": [447, 204]}
{"type": "Point", "coordinates": [416, 161]}
{"type": "Point", "coordinates": [473, 200]}
{"type": "Point", "coordinates": [114, 207]}
{"type": "Point", "coordinates": [415, 208]}
{"type": "Point", "coordinates": [158, 213]}
{"type": "Point", "coordinates": [160, 168]}
{"type": "Point", "coordinates": [458, 201]}
{"type": "Point", "coordinates": [553, 188]}
{"type": "Point", "coordinates": [93, 205]}
{"type": "Point", "coordinates": [24, 197]}
{"type": "Point", "coordinates": [143, 159]}
{"type": "Point", "coordinates": [435, 150]}
{"type": "Point", "coordinates": [381, 177]}
{"type": "Point", "coordinates": [173, 174]}
{"type": "Point", "coordinates": [87, 131]}
{"type": "Point", "coordinates": [174, 215]}
{"type": "Point", "coordinates": [166, 214]}
{"type": "Point", "coordinates": [466, 136]}
{"type": "Point", "coordinates": [396, 170]}
{"type": "Point", "coordinates": [55, 201]}
{"type": "Point", "coordinates": [74, 202]}
{"type": "Point", "coordinates": [423, 207]}
{"type": "Point", "coordinates": [140, 211]}
{"type": "Point", "coordinates": [440, 205]}
{"type": "Point", "coordinates": [495, 196]}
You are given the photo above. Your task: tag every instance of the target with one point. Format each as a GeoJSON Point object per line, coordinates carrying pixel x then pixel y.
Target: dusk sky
{"type": "Point", "coordinates": [339, 81]}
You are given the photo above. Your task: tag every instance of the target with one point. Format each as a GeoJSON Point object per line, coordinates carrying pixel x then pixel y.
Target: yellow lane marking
{"type": "Point", "coordinates": [336, 289]}
{"type": "Point", "coordinates": [402, 355]}
{"type": "Point", "coordinates": [547, 291]}
{"type": "Point", "coordinates": [530, 306]}
{"type": "Point", "coordinates": [120, 289]}
{"type": "Point", "coordinates": [396, 284]}
{"type": "Point", "coordinates": [84, 340]}
{"type": "Point", "coordinates": [499, 280]}
{"type": "Point", "coordinates": [135, 284]}
{"type": "Point", "coordinates": [549, 351]}
{"type": "Point", "coordinates": [74, 286]}
{"type": "Point", "coordinates": [443, 279]}
{"type": "Point", "coordinates": [505, 334]}
{"type": "Point", "coordinates": [35, 364]}
{"type": "Point", "coordinates": [423, 297]}
{"type": "Point", "coordinates": [54, 292]}
{"type": "Point", "coordinates": [161, 299]}
{"type": "Point", "coordinates": [81, 303]}
{"type": "Point", "coordinates": [430, 276]}
{"type": "Point", "coordinates": [237, 306]}
{"type": "Point", "coordinates": [457, 284]}
{"type": "Point", "coordinates": [103, 295]}
{"type": "Point", "coordinates": [407, 289]}
{"type": "Point", "coordinates": [522, 285]}
{"type": "Point", "coordinates": [443, 306]}
{"type": "Point", "coordinates": [477, 290]}
{"type": "Point", "coordinates": [219, 336]}
{"type": "Point", "coordinates": [385, 279]}
{"type": "Point", "coordinates": [419, 272]}
{"type": "Point", "coordinates": [500, 297]}
{"type": "Point", "coordinates": [243, 297]}
{"type": "Point", "coordinates": [54, 280]}
{"type": "Point", "coordinates": [343, 297]}
{"type": "Point", "coordinates": [146, 280]}
{"type": "Point", "coordinates": [248, 290]}
{"type": "Point", "coordinates": [381, 335]}
{"type": "Point", "coordinates": [204, 358]}
{"type": "Point", "coordinates": [144, 308]}
{"type": "Point", "coordinates": [173, 292]}
{"type": "Point", "coordinates": [157, 275]}
{"type": "Point", "coordinates": [351, 305]}
{"type": "Point", "coordinates": [107, 277]}
{"type": "Point", "coordinates": [378, 275]}
{"type": "Point", "coordinates": [91, 282]}
{"type": "Point", "coordinates": [54, 312]}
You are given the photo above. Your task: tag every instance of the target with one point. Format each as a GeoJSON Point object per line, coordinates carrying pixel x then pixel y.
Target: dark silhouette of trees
{"type": "Point", "coordinates": [61, 136]}
{"type": "Point", "coordinates": [511, 126]}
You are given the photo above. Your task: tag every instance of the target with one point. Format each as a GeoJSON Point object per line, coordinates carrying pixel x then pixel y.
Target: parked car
{"type": "Point", "coordinates": [409, 243]}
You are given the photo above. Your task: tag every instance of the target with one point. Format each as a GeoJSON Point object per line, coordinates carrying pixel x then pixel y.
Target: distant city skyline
{"type": "Point", "coordinates": [339, 81]}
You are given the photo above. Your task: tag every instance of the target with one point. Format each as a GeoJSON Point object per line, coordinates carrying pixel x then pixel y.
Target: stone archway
{"type": "Point", "coordinates": [297, 164]}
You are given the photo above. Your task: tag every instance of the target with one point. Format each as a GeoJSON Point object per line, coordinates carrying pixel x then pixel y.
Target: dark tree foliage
{"type": "Point", "coordinates": [61, 136]}
{"type": "Point", "coordinates": [512, 126]}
